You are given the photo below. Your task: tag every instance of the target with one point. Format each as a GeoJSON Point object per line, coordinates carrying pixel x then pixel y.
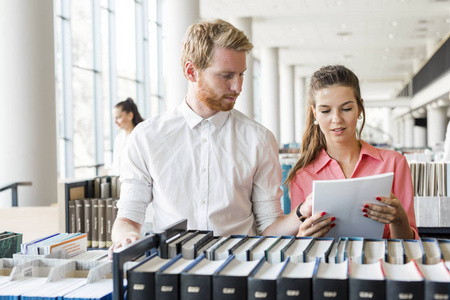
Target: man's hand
{"type": "Point", "coordinates": [124, 232]}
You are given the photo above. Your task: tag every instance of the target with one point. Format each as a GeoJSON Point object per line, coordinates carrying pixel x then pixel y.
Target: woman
{"type": "Point", "coordinates": [332, 149]}
{"type": "Point", "coordinates": [126, 116]}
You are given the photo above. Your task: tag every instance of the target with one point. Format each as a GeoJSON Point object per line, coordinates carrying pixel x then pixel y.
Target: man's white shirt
{"type": "Point", "coordinates": [221, 173]}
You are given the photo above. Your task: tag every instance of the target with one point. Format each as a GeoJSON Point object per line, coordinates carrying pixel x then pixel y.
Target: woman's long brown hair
{"type": "Point", "coordinates": [313, 139]}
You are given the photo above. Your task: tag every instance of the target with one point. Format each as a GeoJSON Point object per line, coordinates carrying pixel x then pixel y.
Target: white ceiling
{"type": "Point", "coordinates": [385, 42]}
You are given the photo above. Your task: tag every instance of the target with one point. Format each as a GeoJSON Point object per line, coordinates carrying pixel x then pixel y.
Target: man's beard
{"type": "Point", "coordinates": [211, 100]}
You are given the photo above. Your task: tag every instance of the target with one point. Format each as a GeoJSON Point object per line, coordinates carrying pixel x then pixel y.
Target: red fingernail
{"type": "Point", "coordinates": [332, 219]}
{"type": "Point", "coordinates": [366, 206]}
{"type": "Point", "coordinates": [332, 225]}
{"type": "Point", "coordinates": [364, 210]}
{"type": "Point", "coordinates": [365, 215]}
{"type": "Point", "coordinates": [323, 213]}
{"type": "Point", "coordinates": [378, 198]}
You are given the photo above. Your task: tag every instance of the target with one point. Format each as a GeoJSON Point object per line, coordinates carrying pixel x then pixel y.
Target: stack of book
{"type": "Point", "coordinates": [431, 182]}
{"type": "Point", "coordinates": [9, 243]}
{"type": "Point", "coordinates": [91, 207]}
{"type": "Point", "coordinates": [55, 279]}
{"type": "Point", "coordinates": [94, 217]}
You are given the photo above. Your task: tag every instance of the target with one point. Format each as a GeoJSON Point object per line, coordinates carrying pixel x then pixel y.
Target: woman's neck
{"type": "Point", "coordinates": [346, 155]}
{"type": "Point", "coordinates": [128, 130]}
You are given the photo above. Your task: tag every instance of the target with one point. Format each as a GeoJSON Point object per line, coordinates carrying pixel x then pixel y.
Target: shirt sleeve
{"type": "Point", "coordinates": [266, 192]}
{"type": "Point", "coordinates": [403, 189]}
{"type": "Point", "coordinates": [136, 182]}
{"type": "Point", "coordinates": [296, 193]}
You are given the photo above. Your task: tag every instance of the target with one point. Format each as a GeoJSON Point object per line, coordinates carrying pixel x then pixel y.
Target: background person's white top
{"type": "Point", "coordinates": [120, 144]}
{"type": "Point", "coordinates": [221, 173]}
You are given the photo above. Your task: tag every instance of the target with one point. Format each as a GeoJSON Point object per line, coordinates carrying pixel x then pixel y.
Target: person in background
{"type": "Point", "coordinates": [126, 116]}
{"type": "Point", "coordinates": [205, 161]}
{"type": "Point", "coordinates": [332, 149]}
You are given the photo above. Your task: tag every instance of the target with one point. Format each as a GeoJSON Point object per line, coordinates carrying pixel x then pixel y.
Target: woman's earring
{"type": "Point", "coordinates": [360, 117]}
{"type": "Point", "coordinates": [316, 123]}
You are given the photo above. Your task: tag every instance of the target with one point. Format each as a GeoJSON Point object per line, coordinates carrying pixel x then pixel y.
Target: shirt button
{"type": "Point", "coordinates": [203, 201]}
{"type": "Point", "coordinates": [204, 170]}
{"type": "Point", "coordinates": [204, 140]}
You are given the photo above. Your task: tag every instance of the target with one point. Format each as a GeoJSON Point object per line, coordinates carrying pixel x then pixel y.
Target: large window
{"type": "Point", "coordinates": [106, 51]}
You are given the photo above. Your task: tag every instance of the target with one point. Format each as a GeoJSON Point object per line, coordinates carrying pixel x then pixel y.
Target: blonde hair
{"type": "Point", "coordinates": [201, 38]}
{"type": "Point", "coordinates": [313, 139]}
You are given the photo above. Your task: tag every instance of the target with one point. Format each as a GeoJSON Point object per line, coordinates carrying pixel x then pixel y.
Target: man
{"type": "Point", "coordinates": [204, 161]}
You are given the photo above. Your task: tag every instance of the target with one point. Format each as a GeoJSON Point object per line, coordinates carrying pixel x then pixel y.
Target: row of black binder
{"type": "Point", "coordinates": [191, 264]}
{"type": "Point", "coordinates": [180, 278]}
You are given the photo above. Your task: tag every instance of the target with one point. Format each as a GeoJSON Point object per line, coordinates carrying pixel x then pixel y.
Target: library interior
{"type": "Point", "coordinates": [78, 77]}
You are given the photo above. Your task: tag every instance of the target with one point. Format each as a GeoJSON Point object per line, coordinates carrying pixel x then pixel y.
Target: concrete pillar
{"type": "Point", "coordinates": [300, 107]}
{"type": "Point", "coordinates": [420, 136]}
{"type": "Point", "coordinates": [388, 126]}
{"type": "Point", "coordinates": [27, 97]}
{"type": "Point", "coordinates": [178, 16]}
{"type": "Point", "coordinates": [287, 107]}
{"type": "Point", "coordinates": [245, 101]}
{"type": "Point", "coordinates": [409, 131]}
{"type": "Point", "coordinates": [270, 91]}
{"type": "Point", "coordinates": [436, 124]}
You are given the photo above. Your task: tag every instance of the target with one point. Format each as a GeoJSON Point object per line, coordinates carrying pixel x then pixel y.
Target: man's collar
{"type": "Point", "coordinates": [193, 119]}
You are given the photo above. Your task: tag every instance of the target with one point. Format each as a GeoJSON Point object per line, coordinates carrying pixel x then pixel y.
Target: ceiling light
{"type": "Point", "coordinates": [390, 36]}
{"type": "Point", "coordinates": [343, 26]}
{"type": "Point", "coordinates": [447, 20]}
{"type": "Point", "coordinates": [345, 38]}
{"type": "Point", "coordinates": [394, 23]}
{"type": "Point", "coordinates": [387, 49]}
{"type": "Point", "coordinates": [384, 57]}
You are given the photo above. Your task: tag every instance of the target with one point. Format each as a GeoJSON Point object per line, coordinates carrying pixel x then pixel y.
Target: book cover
{"type": "Point", "coordinates": [88, 221]}
{"type": "Point", "coordinates": [296, 249]}
{"type": "Point", "coordinates": [10, 244]}
{"type": "Point", "coordinates": [414, 250]}
{"type": "Point", "coordinates": [196, 281]}
{"type": "Point", "coordinates": [258, 250]}
{"type": "Point", "coordinates": [101, 223]}
{"type": "Point", "coordinates": [432, 251]}
{"type": "Point", "coordinates": [223, 250]}
{"type": "Point", "coordinates": [273, 253]}
{"type": "Point", "coordinates": [79, 213]}
{"type": "Point", "coordinates": [141, 278]}
{"type": "Point", "coordinates": [437, 280]}
{"type": "Point", "coordinates": [374, 250]}
{"type": "Point", "coordinates": [262, 281]}
{"type": "Point", "coordinates": [319, 248]}
{"type": "Point", "coordinates": [241, 251]}
{"type": "Point", "coordinates": [403, 281]}
{"type": "Point", "coordinates": [167, 279]}
{"type": "Point", "coordinates": [94, 217]}
{"type": "Point", "coordinates": [108, 229]}
{"type": "Point", "coordinates": [366, 281]}
{"type": "Point", "coordinates": [295, 280]}
{"type": "Point", "coordinates": [331, 281]}
{"type": "Point", "coordinates": [230, 280]}
{"type": "Point", "coordinates": [72, 217]}
{"type": "Point", "coordinates": [189, 247]}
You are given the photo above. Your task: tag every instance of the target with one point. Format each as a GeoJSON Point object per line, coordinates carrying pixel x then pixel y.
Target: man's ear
{"type": "Point", "coordinates": [190, 71]}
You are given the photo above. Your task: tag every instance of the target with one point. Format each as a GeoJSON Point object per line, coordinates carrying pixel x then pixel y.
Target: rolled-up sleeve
{"type": "Point", "coordinates": [267, 191]}
{"type": "Point", "coordinates": [136, 182]}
